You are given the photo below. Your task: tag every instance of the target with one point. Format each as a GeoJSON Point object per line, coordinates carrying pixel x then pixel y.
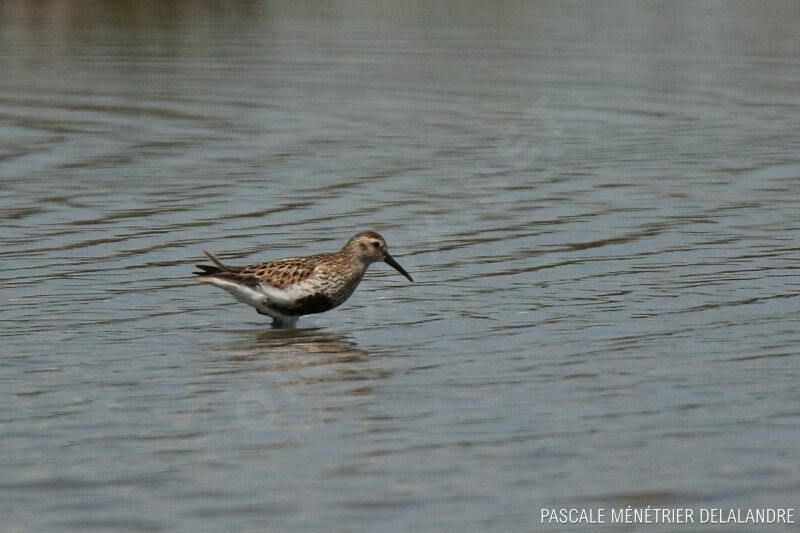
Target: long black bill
{"type": "Point", "coordinates": [390, 261]}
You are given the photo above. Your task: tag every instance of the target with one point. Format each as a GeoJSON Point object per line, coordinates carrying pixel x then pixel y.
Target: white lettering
{"type": "Point", "coordinates": [572, 516]}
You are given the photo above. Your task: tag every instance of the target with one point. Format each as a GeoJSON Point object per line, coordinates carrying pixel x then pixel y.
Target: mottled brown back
{"type": "Point", "coordinates": [279, 273]}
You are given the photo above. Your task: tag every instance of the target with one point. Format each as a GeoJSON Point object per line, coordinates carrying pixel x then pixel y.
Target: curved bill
{"type": "Point", "coordinates": [390, 261]}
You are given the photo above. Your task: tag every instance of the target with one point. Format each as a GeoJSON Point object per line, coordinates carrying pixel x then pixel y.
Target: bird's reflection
{"type": "Point", "coordinates": [293, 379]}
{"type": "Point", "coordinates": [305, 355]}
{"type": "Point", "coordinates": [282, 343]}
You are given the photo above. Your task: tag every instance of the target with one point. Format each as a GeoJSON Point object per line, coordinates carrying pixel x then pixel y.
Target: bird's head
{"type": "Point", "coordinates": [370, 247]}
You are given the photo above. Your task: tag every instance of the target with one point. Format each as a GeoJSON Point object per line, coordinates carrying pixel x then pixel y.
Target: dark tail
{"type": "Point", "coordinates": [208, 270]}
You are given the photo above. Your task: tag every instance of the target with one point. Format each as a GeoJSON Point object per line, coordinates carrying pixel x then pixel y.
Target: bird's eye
{"type": "Point", "coordinates": [376, 244]}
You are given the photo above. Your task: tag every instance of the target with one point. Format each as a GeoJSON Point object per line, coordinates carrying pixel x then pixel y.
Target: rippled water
{"type": "Point", "coordinates": [599, 203]}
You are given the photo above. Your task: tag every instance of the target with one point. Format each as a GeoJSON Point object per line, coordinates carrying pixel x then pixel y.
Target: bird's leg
{"type": "Point", "coordinates": [284, 323]}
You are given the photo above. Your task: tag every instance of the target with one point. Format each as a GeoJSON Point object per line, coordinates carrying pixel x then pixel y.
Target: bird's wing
{"type": "Point", "coordinates": [279, 273]}
{"type": "Point", "coordinates": [286, 281]}
{"type": "Point", "coordinates": [282, 273]}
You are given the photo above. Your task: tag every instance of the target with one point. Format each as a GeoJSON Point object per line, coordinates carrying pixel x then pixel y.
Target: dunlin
{"type": "Point", "coordinates": [286, 289]}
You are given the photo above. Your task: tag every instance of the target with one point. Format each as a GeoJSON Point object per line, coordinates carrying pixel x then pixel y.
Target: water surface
{"type": "Point", "coordinates": [599, 204]}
